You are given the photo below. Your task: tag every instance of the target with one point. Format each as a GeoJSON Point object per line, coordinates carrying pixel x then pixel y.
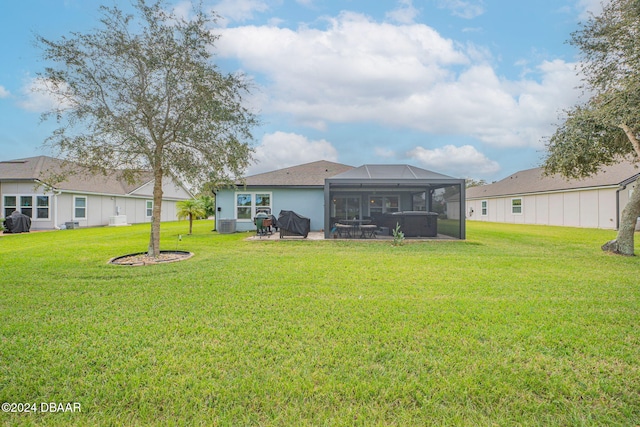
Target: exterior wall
{"type": "Point", "coordinates": [169, 188]}
{"type": "Point", "coordinates": [26, 188]}
{"type": "Point", "coordinates": [307, 202]}
{"type": "Point", "coordinates": [99, 208]}
{"type": "Point", "coordinates": [591, 208]}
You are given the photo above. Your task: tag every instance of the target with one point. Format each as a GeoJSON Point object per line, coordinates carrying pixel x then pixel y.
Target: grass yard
{"type": "Point", "coordinates": [518, 325]}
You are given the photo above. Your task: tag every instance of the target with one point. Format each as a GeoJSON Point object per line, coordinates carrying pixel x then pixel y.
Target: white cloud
{"type": "Point", "coordinates": [183, 10]}
{"type": "Point", "coordinates": [384, 152]}
{"type": "Point", "coordinates": [37, 96]}
{"type": "Point", "coordinates": [280, 150]}
{"type": "Point", "coordinates": [407, 76]}
{"type": "Point", "coordinates": [464, 161]}
{"type": "Point", "coordinates": [4, 93]}
{"type": "Point", "coordinates": [405, 13]}
{"type": "Point", "coordinates": [463, 9]}
{"type": "Point", "coordinates": [240, 10]}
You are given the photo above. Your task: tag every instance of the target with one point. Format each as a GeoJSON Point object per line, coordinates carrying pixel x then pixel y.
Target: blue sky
{"type": "Point", "coordinates": [468, 88]}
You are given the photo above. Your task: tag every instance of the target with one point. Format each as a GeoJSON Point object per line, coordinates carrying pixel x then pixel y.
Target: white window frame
{"type": "Point", "coordinates": [38, 207]}
{"type": "Point", "coordinates": [76, 207]}
{"type": "Point", "coordinates": [148, 206]}
{"type": "Point", "coordinates": [5, 206]}
{"type": "Point", "coordinates": [484, 207]}
{"type": "Point", "coordinates": [253, 207]}
{"type": "Point", "coordinates": [34, 205]}
{"type": "Point", "coordinates": [520, 206]}
{"type": "Point", "coordinates": [385, 203]}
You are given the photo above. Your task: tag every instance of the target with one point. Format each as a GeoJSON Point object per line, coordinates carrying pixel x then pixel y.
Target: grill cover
{"type": "Point", "coordinates": [17, 223]}
{"type": "Point", "coordinates": [294, 223]}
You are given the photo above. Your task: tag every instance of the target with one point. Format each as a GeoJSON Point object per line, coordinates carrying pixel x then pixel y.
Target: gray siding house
{"type": "Point", "coordinates": [529, 197]}
{"type": "Point", "coordinates": [82, 200]}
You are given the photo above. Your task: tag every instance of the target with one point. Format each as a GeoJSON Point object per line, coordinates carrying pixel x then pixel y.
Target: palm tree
{"type": "Point", "coordinates": [190, 209]}
{"type": "Point", "coordinates": [208, 203]}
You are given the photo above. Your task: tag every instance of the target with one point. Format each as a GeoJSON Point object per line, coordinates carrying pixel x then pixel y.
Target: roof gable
{"type": "Point", "coordinates": [534, 181]}
{"type": "Point", "coordinates": [308, 174]}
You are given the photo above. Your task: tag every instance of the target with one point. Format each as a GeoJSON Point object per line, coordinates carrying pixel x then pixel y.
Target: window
{"type": "Point", "coordinates": [516, 206]}
{"type": "Point", "coordinates": [383, 204]}
{"type": "Point", "coordinates": [149, 210]}
{"type": "Point", "coordinates": [244, 202]}
{"type": "Point", "coordinates": [263, 203]}
{"type": "Point", "coordinates": [26, 205]}
{"type": "Point", "coordinates": [10, 205]}
{"type": "Point", "coordinates": [345, 207]}
{"type": "Point", "coordinates": [419, 201]}
{"type": "Point", "coordinates": [42, 207]}
{"type": "Point", "coordinates": [484, 207]}
{"type": "Point", "coordinates": [249, 204]}
{"type": "Point", "coordinates": [79, 207]}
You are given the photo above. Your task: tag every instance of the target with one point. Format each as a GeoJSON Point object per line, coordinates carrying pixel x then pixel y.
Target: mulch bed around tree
{"type": "Point", "coordinates": [143, 259]}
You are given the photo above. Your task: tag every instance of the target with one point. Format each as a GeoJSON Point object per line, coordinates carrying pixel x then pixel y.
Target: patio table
{"type": "Point", "coordinates": [356, 230]}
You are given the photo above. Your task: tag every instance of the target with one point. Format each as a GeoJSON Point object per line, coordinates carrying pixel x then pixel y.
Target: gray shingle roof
{"type": "Point", "coordinates": [44, 169]}
{"type": "Point", "coordinates": [533, 181]}
{"type": "Point", "coordinates": [308, 174]}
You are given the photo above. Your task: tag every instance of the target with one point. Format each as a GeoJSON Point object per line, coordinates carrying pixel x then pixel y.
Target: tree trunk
{"type": "Point", "coordinates": [190, 223]}
{"type": "Point", "coordinates": [154, 240]}
{"type": "Point", "coordinates": [623, 243]}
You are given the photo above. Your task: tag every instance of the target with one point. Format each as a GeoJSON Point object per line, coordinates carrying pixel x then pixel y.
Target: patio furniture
{"type": "Point", "coordinates": [344, 230]}
{"type": "Point", "coordinates": [368, 231]}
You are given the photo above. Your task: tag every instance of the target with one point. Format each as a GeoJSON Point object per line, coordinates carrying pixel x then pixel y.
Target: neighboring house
{"type": "Point", "coordinates": [529, 197]}
{"type": "Point", "coordinates": [327, 192]}
{"type": "Point", "coordinates": [83, 200]}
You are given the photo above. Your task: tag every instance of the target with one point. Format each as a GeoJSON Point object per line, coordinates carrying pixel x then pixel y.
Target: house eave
{"type": "Point", "coordinates": [532, 193]}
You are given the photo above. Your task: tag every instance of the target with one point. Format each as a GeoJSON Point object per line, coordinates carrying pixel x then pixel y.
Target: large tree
{"type": "Point", "coordinates": [606, 128]}
{"type": "Point", "coordinates": [142, 92]}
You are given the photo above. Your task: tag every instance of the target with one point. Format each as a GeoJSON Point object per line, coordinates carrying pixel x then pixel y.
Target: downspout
{"type": "Point", "coordinates": [618, 206]}
{"type": "Point", "coordinates": [56, 193]}
{"type": "Point", "coordinates": [215, 211]}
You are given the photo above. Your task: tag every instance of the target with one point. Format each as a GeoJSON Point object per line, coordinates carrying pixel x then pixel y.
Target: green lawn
{"type": "Point", "coordinates": [518, 325]}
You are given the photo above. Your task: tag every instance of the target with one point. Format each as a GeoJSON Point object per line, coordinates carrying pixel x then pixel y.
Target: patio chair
{"type": "Point", "coordinates": [344, 230]}
{"type": "Point", "coordinates": [368, 231]}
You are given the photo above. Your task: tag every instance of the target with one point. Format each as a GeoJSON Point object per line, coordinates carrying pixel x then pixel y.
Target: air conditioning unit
{"type": "Point", "coordinates": [226, 226]}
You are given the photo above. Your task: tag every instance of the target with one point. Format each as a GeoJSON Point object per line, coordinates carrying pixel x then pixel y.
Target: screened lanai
{"type": "Point", "coordinates": [425, 204]}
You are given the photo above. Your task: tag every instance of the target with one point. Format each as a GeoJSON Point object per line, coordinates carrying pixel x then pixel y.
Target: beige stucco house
{"type": "Point", "coordinates": [529, 197]}
{"type": "Point", "coordinates": [82, 199]}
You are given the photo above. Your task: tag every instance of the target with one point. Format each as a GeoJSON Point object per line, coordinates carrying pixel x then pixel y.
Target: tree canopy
{"type": "Point", "coordinates": [604, 129]}
{"type": "Point", "coordinates": [142, 92]}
